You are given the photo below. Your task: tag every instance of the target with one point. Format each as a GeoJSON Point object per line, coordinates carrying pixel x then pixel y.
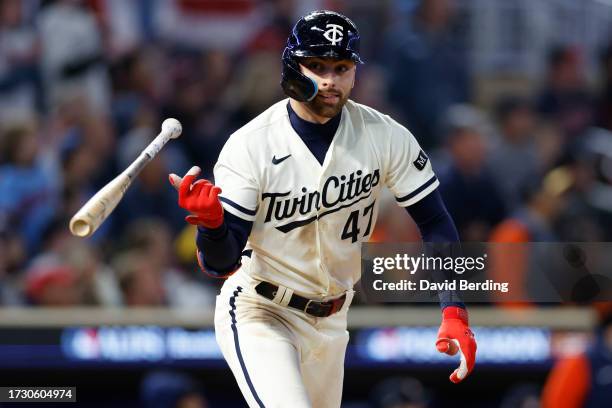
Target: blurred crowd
{"type": "Point", "coordinates": [85, 85]}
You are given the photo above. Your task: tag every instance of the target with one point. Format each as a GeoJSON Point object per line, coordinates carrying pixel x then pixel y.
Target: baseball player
{"type": "Point", "coordinates": [296, 192]}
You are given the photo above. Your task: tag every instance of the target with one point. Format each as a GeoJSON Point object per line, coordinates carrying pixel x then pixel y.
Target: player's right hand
{"type": "Point", "coordinates": [199, 197]}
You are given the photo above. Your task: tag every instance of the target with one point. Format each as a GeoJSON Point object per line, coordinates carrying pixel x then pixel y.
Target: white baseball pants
{"type": "Point", "coordinates": [280, 356]}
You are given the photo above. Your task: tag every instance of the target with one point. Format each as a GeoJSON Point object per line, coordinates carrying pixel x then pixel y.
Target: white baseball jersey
{"type": "Point", "coordinates": [309, 219]}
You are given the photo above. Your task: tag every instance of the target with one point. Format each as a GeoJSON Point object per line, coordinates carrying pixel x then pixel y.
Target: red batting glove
{"type": "Point", "coordinates": [455, 336]}
{"type": "Point", "coordinates": [199, 198]}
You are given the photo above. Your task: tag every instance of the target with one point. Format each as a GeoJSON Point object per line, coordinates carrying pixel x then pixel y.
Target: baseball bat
{"type": "Point", "coordinates": [87, 220]}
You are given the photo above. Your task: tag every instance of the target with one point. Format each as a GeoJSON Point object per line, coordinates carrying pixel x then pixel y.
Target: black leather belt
{"type": "Point", "coordinates": [312, 307]}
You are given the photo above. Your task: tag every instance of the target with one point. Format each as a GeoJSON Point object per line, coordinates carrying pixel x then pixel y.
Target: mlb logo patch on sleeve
{"type": "Point", "coordinates": [421, 161]}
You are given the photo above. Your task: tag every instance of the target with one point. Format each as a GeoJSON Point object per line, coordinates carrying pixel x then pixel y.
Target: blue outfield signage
{"type": "Point", "coordinates": [139, 343]}
{"type": "Point", "coordinates": [106, 346]}
{"type": "Point", "coordinates": [415, 346]}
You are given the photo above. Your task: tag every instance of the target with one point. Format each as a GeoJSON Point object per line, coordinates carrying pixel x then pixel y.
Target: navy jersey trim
{"type": "Point", "coordinates": [238, 206]}
{"type": "Point", "coordinates": [232, 313]}
{"type": "Point", "coordinates": [417, 191]}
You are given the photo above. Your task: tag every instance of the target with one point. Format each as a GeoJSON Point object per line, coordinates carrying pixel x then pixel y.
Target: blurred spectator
{"type": "Point", "coordinates": [598, 144]}
{"type": "Point", "coordinates": [513, 156]}
{"type": "Point", "coordinates": [140, 84]}
{"type": "Point", "coordinates": [12, 258]}
{"type": "Point", "coordinates": [549, 144]}
{"type": "Point", "coordinates": [126, 24]}
{"type": "Point", "coordinates": [427, 68]}
{"type": "Point", "coordinates": [279, 16]}
{"type": "Point", "coordinates": [27, 196]}
{"type": "Point", "coordinates": [72, 59]}
{"type": "Point", "coordinates": [140, 281]}
{"type": "Point", "coordinates": [256, 85]}
{"type": "Point", "coordinates": [210, 24]}
{"type": "Point", "coordinates": [399, 393]}
{"type": "Point", "coordinates": [71, 264]}
{"type": "Point", "coordinates": [467, 186]}
{"type": "Point", "coordinates": [373, 24]}
{"type": "Point", "coordinates": [542, 201]}
{"type": "Point", "coordinates": [581, 219]}
{"type": "Point", "coordinates": [169, 389]}
{"type": "Point", "coordinates": [13, 254]}
{"type": "Point", "coordinates": [98, 280]}
{"type": "Point", "coordinates": [604, 113]}
{"type": "Point", "coordinates": [185, 247]}
{"type": "Point", "coordinates": [153, 239]}
{"type": "Point", "coordinates": [80, 166]}
{"type": "Point", "coordinates": [20, 88]}
{"type": "Point", "coordinates": [584, 380]}
{"type": "Point", "coordinates": [50, 283]}
{"type": "Point", "coordinates": [198, 102]}
{"type": "Point", "coordinates": [370, 90]}
{"type": "Point", "coordinates": [85, 150]}
{"type": "Point", "coordinates": [565, 98]}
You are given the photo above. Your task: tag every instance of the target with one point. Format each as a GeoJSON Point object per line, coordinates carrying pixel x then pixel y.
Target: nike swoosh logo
{"type": "Point", "coordinates": [277, 161]}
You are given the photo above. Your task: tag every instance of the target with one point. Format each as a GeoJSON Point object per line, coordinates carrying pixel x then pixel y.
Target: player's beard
{"type": "Point", "coordinates": [323, 108]}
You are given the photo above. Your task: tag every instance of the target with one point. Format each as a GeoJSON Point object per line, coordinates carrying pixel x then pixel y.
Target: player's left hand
{"type": "Point", "coordinates": [455, 336]}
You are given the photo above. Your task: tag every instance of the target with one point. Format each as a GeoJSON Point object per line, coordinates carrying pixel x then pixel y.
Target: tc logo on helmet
{"type": "Point", "coordinates": [334, 34]}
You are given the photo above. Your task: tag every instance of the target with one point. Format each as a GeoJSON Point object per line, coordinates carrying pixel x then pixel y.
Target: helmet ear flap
{"type": "Point", "coordinates": [295, 84]}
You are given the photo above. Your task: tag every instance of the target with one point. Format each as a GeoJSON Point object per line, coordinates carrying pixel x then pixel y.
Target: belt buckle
{"type": "Point", "coordinates": [330, 307]}
{"type": "Point", "coordinates": [307, 307]}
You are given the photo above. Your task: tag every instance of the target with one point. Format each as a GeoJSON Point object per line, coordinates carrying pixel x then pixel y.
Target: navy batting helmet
{"type": "Point", "coordinates": [324, 34]}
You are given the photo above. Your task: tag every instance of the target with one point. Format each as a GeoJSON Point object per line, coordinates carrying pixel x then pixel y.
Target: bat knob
{"type": "Point", "coordinates": [174, 126]}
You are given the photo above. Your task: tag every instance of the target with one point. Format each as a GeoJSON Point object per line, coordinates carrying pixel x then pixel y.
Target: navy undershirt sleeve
{"type": "Point", "coordinates": [220, 249]}
{"type": "Point", "coordinates": [433, 220]}
{"type": "Point", "coordinates": [436, 225]}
